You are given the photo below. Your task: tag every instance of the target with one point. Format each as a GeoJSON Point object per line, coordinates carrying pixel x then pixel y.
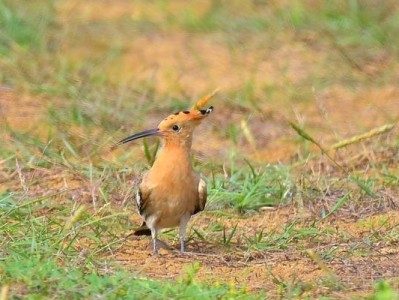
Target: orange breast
{"type": "Point", "coordinates": [173, 187]}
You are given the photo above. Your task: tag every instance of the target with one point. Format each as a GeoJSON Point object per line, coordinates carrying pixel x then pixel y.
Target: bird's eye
{"type": "Point", "coordinates": [176, 128]}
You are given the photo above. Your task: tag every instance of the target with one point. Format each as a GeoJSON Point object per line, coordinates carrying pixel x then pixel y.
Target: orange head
{"type": "Point", "coordinates": [177, 129]}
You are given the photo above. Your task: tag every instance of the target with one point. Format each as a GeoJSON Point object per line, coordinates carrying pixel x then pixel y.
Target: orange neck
{"type": "Point", "coordinates": [173, 142]}
{"type": "Point", "coordinates": [174, 155]}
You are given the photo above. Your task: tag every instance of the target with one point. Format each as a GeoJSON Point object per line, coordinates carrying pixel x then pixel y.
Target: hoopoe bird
{"type": "Point", "coordinates": [171, 191]}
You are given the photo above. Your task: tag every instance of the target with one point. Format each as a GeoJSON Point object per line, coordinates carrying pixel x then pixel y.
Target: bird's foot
{"type": "Point", "coordinates": [159, 245]}
{"type": "Point", "coordinates": [163, 245]}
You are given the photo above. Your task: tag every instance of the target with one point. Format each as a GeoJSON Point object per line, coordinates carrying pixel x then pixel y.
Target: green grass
{"type": "Point", "coordinates": [36, 277]}
{"type": "Point", "coordinates": [247, 188]}
{"type": "Point", "coordinates": [40, 256]}
{"type": "Point", "coordinates": [65, 195]}
{"type": "Point", "coordinates": [23, 28]}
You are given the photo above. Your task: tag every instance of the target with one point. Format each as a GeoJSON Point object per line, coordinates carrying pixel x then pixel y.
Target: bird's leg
{"type": "Point", "coordinates": [182, 234]}
{"type": "Point", "coordinates": [154, 235]}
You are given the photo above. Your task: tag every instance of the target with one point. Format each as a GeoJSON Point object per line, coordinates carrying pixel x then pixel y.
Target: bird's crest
{"type": "Point", "coordinates": [201, 102]}
{"type": "Point", "coordinates": [196, 113]}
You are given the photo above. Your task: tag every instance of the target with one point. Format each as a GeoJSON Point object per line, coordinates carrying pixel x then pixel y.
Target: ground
{"type": "Point", "coordinates": [289, 214]}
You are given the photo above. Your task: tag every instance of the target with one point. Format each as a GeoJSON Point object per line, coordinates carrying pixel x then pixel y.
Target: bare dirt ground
{"type": "Point", "coordinates": [353, 267]}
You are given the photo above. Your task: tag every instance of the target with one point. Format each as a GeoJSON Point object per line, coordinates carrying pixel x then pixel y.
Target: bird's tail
{"type": "Point", "coordinates": [142, 230]}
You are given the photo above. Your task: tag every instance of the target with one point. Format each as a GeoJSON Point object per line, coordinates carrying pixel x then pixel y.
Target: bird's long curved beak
{"type": "Point", "coordinates": [139, 135]}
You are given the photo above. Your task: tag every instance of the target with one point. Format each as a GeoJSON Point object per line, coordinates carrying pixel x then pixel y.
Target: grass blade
{"type": "Point", "coordinates": [150, 155]}
{"type": "Point", "coordinates": [337, 205]}
{"type": "Point", "coordinates": [227, 239]}
{"type": "Point", "coordinates": [307, 137]}
{"type": "Point", "coordinates": [364, 187]}
{"type": "Point", "coordinates": [376, 131]}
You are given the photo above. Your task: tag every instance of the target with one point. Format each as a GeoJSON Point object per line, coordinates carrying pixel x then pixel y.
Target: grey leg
{"type": "Point", "coordinates": [154, 234]}
{"type": "Point", "coordinates": [182, 234]}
